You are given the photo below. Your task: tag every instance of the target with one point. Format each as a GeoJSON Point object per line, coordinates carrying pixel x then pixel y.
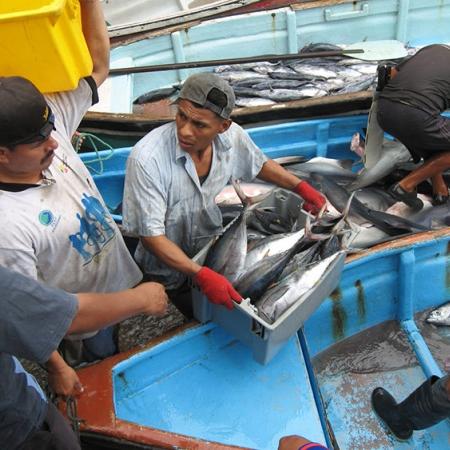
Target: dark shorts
{"type": "Point", "coordinates": [55, 434]}
{"type": "Point", "coordinates": [424, 135]}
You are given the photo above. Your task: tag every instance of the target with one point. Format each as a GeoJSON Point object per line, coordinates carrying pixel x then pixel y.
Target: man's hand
{"type": "Point", "coordinates": [155, 298]}
{"type": "Point", "coordinates": [62, 379]}
{"type": "Point", "coordinates": [217, 288]}
{"type": "Point", "coordinates": [314, 200]}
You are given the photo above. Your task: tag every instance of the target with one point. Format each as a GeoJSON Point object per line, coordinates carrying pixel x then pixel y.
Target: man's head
{"type": "Point", "coordinates": [205, 103]}
{"type": "Point", "coordinates": [25, 116]}
{"type": "Point", "coordinates": [209, 91]}
{"type": "Point", "coordinates": [26, 123]}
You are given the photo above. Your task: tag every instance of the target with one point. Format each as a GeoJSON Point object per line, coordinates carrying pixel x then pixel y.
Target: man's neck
{"type": "Point", "coordinates": [202, 160]}
{"type": "Point", "coordinates": [20, 178]}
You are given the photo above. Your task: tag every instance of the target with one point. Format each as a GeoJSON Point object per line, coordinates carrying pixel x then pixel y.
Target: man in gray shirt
{"type": "Point", "coordinates": [34, 319]}
{"type": "Point", "coordinates": [173, 176]}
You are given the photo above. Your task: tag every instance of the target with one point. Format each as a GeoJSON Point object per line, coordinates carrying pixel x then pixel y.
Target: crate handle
{"type": "Point", "coordinates": [53, 9]}
{"type": "Point", "coordinates": [330, 16]}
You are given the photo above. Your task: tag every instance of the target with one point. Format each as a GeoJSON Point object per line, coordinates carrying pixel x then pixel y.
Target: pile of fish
{"type": "Point", "coordinates": [266, 83]}
{"type": "Point", "coordinates": [273, 257]}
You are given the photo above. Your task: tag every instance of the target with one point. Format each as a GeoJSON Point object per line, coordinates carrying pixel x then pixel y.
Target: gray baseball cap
{"type": "Point", "coordinates": [209, 91]}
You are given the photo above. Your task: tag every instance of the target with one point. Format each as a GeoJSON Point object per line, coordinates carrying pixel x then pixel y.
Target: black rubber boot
{"type": "Point", "coordinates": [388, 411]}
{"type": "Point", "coordinates": [426, 406]}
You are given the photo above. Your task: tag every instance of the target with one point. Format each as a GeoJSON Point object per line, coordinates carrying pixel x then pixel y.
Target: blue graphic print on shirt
{"type": "Point", "coordinates": [95, 229]}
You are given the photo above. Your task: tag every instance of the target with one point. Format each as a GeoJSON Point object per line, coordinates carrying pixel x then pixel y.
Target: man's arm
{"type": "Point", "coordinates": [274, 173]}
{"type": "Point", "coordinates": [169, 253]}
{"type": "Point", "coordinates": [97, 40]}
{"type": "Point", "coordinates": [216, 287]}
{"type": "Point", "coordinates": [98, 310]}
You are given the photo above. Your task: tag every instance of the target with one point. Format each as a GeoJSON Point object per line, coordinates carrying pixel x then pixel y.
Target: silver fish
{"type": "Point", "coordinates": [390, 224]}
{"type": "Point", "coordinates": [250, 102]}
{"type": "Point", "coordinates": [232, 76]}
{"type": "Point", "coordinates": [435, 217]}
{"type": "Point", "coordinates": [254, 281]}
{"type": "Point", "coordinates": [301, 260]}
{"type": "Point", "coordinates": [285, 95]}
{"type": "Point", "coordinates": [338, 169]}
{"type": "Point", "coordinates": [280, 84]}
{"type": "Point", "coordinates": [361, 84]}
{"type": "Point", "coordinates": [375, 198]}
{"type": "Point", "coordinates": [227, 254]}
{"type": "Point", "coordinates": [293, 289]}
{"type": "Point", "coordinates": [273, 245]}
{"type": "Point", "coordinates": [393, 153]}
{"type": "Point", "coordinates": [313, 71]}
{"type": "Point", "coordinates": [348, 73]}
{"type": "Point", "coordinates": [440, 316]}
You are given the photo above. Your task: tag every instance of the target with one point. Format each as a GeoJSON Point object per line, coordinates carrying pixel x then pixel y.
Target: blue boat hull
{"type": "Point", "coordinates": [202, 389]}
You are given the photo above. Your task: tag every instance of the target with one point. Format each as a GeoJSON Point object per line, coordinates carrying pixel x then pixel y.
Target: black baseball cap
{"type": "Point", "coordinates": [25, 116]}
{"type": "Point", "coordinates": [209, 91]}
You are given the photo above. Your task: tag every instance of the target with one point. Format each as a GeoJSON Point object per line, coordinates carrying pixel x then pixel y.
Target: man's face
{"type": "Point", "coordinates": [28, 159]}
{"type": "Point", "coordinates": [197, 127]}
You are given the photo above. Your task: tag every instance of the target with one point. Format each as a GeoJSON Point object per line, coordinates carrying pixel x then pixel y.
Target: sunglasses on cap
{"type": "Point", "coordinates": [41, 135]}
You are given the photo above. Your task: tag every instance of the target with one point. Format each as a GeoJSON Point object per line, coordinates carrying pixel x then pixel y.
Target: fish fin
{"type": "Point", "coordinates": [245, 199]}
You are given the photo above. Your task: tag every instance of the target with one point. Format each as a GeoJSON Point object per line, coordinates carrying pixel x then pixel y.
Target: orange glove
{"type": "Point", "coordinates": [217, 288]}
{"type": "Point", "coordinates": [314, 200]}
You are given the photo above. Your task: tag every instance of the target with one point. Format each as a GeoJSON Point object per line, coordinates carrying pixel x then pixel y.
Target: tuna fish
{"type": "Point", "coordinates": [388, 223]}
{"type": "Point", "coordinates": [440, 316]}
{"type": "Point", "coordinates": [294, 288]}
{"type": "Point", "coordinates": [393, 153]}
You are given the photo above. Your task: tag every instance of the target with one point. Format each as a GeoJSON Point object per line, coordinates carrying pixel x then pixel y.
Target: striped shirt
{"type": "Point", "coordinates": [163, 194]}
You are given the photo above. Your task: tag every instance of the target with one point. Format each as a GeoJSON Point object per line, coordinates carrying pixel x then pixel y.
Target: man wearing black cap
{"type": "Point", "coordinates": [173, 176]}
{"type": "Point", "coordinates": [55, 226]}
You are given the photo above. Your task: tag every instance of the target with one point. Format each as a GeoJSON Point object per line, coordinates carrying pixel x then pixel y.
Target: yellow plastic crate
{"type": "Point", "coordinates": [42, 40]}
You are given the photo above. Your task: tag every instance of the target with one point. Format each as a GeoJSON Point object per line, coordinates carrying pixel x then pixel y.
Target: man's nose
{"type": "Point", "coordinates": [52, 144]}
{"type": "Point", "coordinates": [186, 129]}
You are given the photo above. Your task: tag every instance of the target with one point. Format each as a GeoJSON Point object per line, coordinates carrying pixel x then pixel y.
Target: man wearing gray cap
{"type": "Point", "coordinates": [173, 176]}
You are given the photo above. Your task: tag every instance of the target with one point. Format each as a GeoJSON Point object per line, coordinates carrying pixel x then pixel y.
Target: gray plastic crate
{"type": "Point", "coordinates": [265, 339]}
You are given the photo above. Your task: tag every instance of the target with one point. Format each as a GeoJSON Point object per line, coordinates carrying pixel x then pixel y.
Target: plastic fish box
{"type": "Point", "coordinates": [266, 340]}
{"type": "Point", "coordinates": [42, 40]}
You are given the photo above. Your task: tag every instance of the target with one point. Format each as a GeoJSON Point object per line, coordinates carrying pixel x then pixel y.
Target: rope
{"type": "Point", "coordinates": [93, 140]}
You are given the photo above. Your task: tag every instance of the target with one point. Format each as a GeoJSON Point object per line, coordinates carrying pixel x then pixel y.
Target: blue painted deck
{"type": "Point", "coordinates": [385, 285]}
{"type": "Point", "coordinates": [204, 383]}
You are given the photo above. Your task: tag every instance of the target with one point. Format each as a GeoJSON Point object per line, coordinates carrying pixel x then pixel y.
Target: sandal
{"type": "Point", "coordinates": [439, 199]}
{"type": "Point", "coordinates": [409, 198]}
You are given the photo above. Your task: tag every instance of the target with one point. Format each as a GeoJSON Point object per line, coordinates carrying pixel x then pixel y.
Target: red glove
{"type": "Point", "coordinates": [314, 200]}
{"type": "Point", "coordinates": [217, 288]}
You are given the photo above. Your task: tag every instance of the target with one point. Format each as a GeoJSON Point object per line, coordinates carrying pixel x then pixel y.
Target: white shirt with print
{"type": "Point", "coordinates": [61, 232]}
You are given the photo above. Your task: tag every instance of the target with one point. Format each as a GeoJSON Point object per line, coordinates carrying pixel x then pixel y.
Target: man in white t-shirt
{"type": "Point", "coordinates": [55, 225]}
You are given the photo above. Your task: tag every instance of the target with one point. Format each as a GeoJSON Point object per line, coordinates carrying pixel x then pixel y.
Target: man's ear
{"type": "Point", "coordinates": [226, 123]}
